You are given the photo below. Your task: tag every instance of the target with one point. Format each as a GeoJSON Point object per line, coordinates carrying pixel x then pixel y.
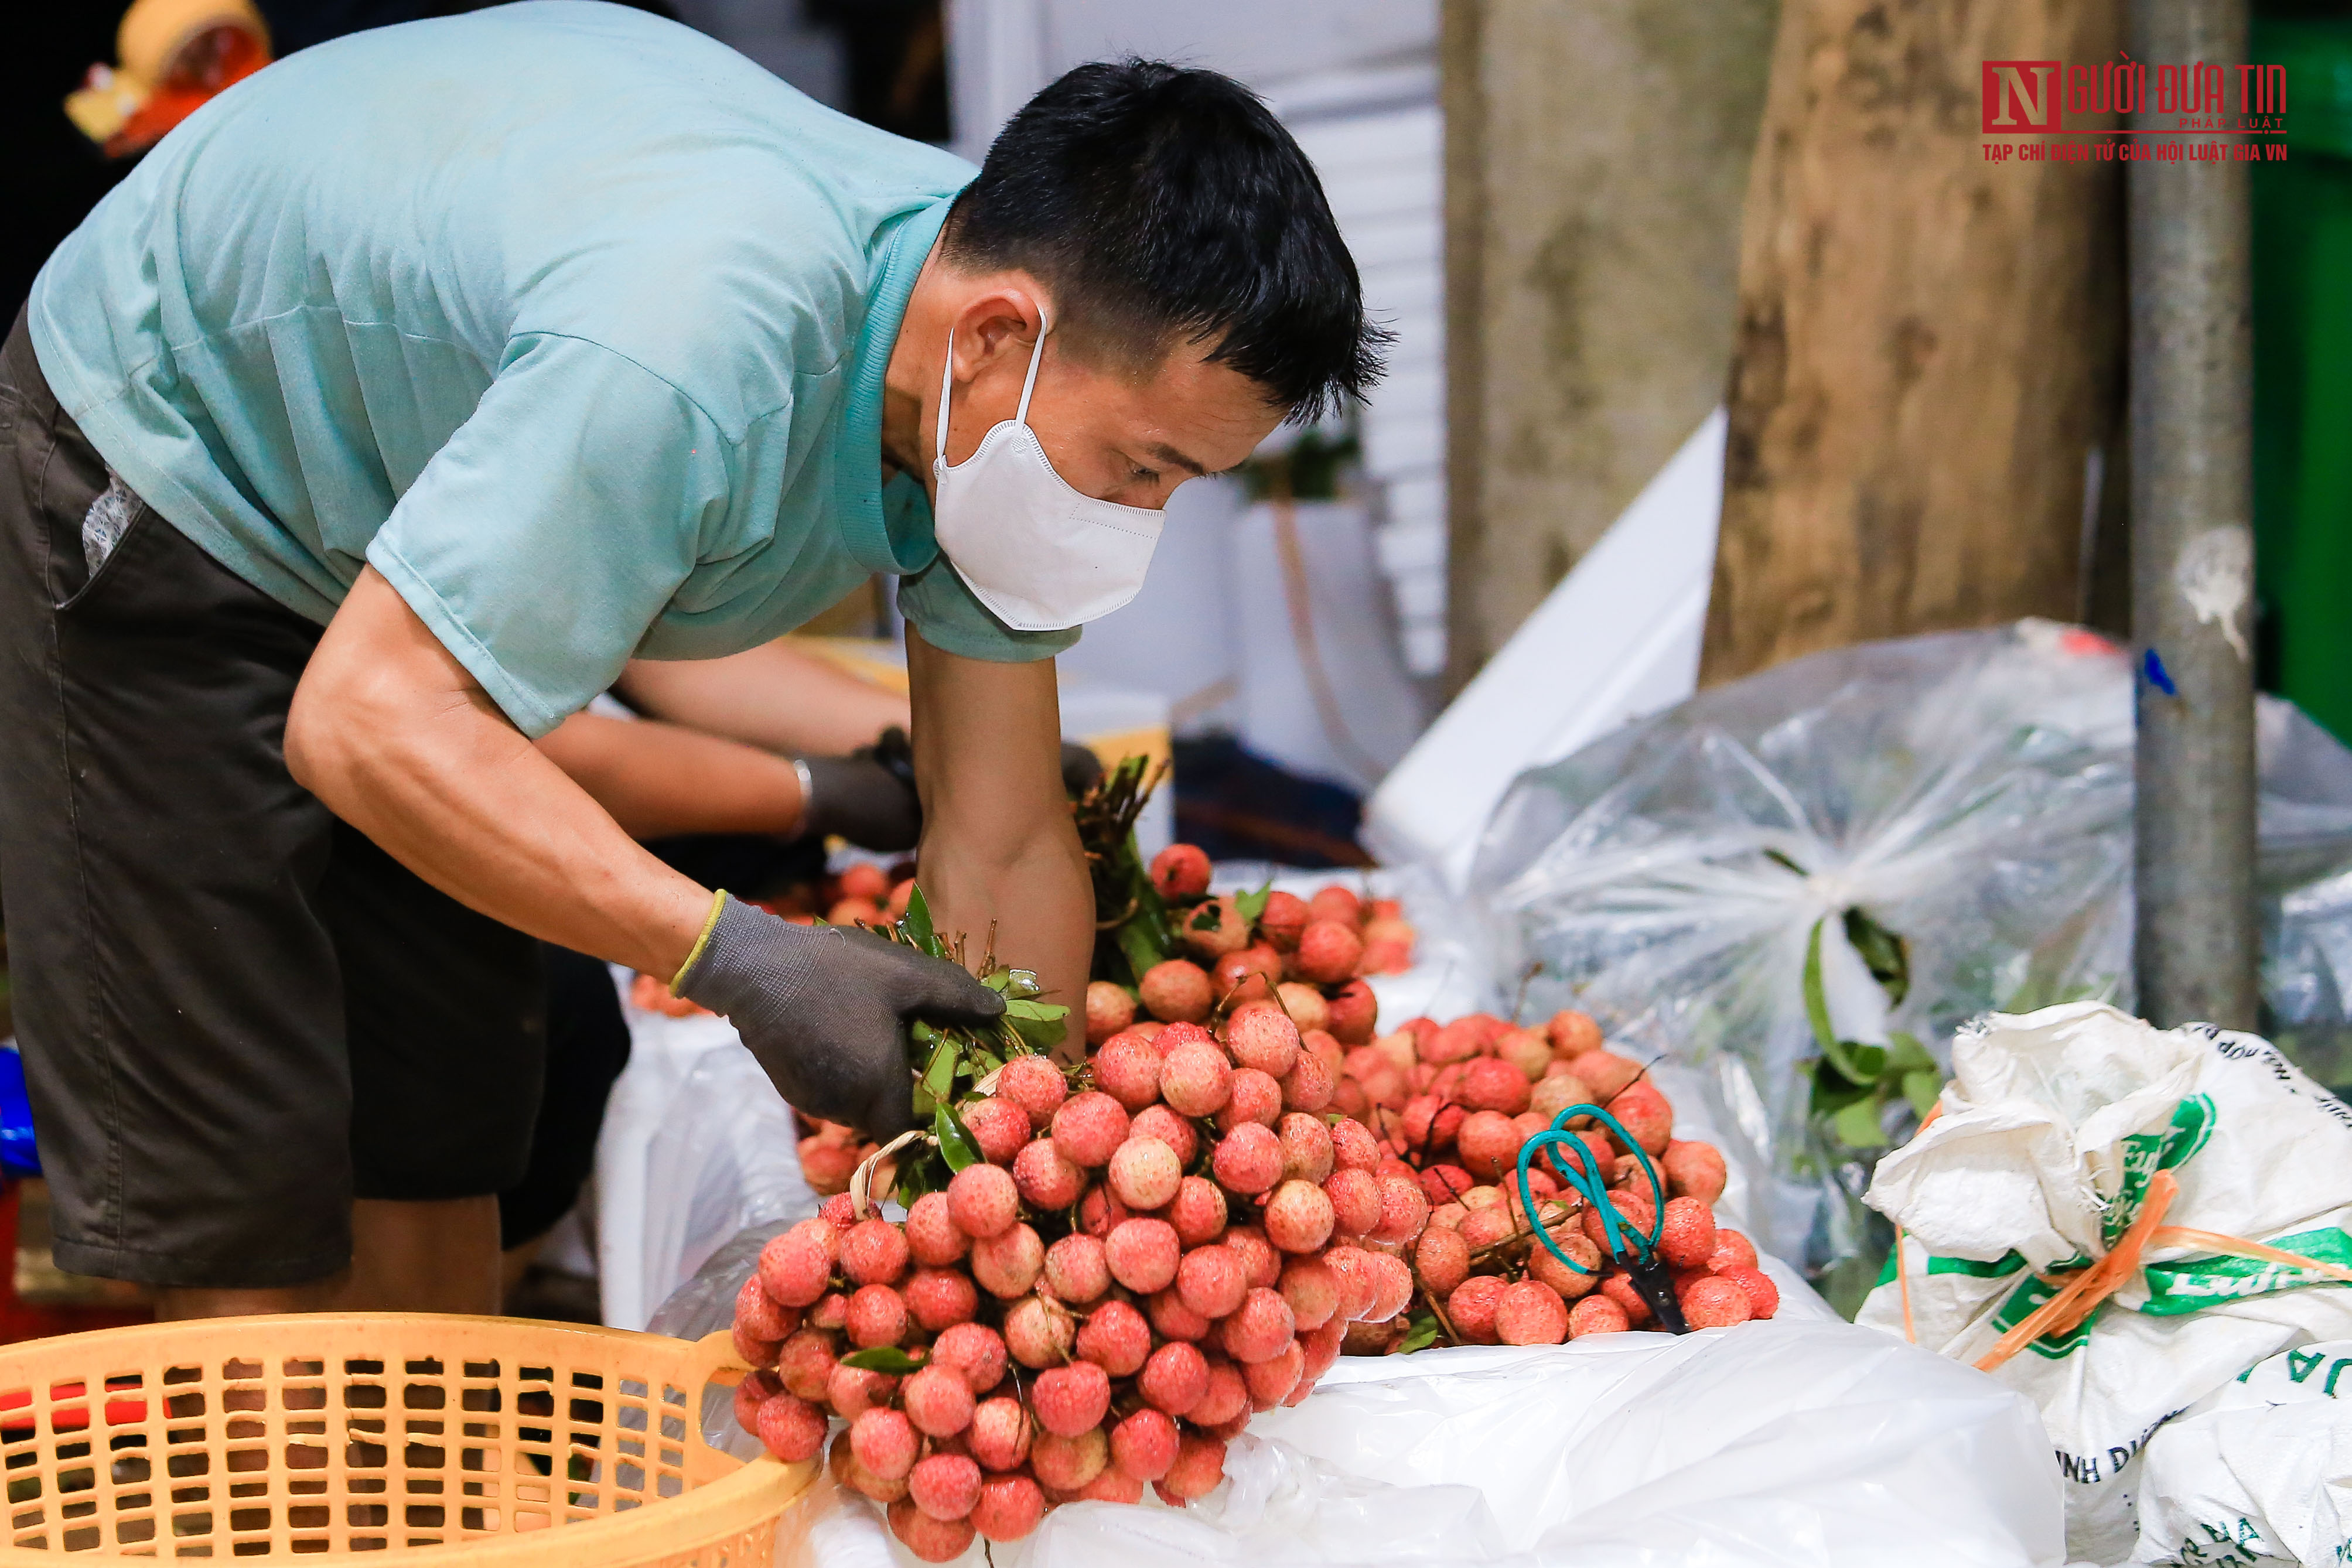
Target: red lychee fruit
{"type": "Point", "coordinates": [1198, 1211]}
{"type": "Point", "coordinates": [1264, 1038]}
{"type": "Point", "coordinates": [1488, 1143]}
{"type": "Point", "coordinates": [1471, 1306]}
{"type": "Point", "coordinates": [1248, 1160]}
{"type": "Point", "coordinates": [1311, 1289]}
{"type": "Point", "coordinates": [1089, 1128]}
{"type": "Point", "coordinates": [1732, 1251]}
{"type": "Point", "coordinates": [1000, 1433]}
{"type": "Point", "coordinates": [1145, 1173]}
{"type": "Point", "coordinates": [1298, 1217]}
{"type": "Point", "coordinates": [1283, 921]}
{"type": "Point", "coordinates": [1489, 1083]}
{"type": "Point", "coordinates": [1173, 1320]}
{"type": "Point", "coordinates": [1076, 1272]}
{"type": "Point", "coordinates": [805, 1363]}
{"type": "Point", "coordinates": [932, 1237]}
{"type": "Point", "coordinates": [927, 1539]}
{"type": "Point", "coordinates": [1763, 1295]}
{"type": "Point", "coordinates": [1035, 1085]}
{"type": "Point", "coordinates": [1225, 1398]}
{"type": "Point", "coordinates": [999, 1127]}
{"type": "Point", "coordinates": [1616, 1287]}
{"type": "Point", "coordinates": [1109, 1010]}
{"type": "Point", "coordinates": [1351, 1266]}
{"type": "Point", "coordinates": [1306, 1006]}
{"type": "Point", "coordinates": [1142, 1254]}
{"type": "Point", "coordinates": [1180, 870]}
{"type": "Point", "coordinates": [1214, 929]}
{"type": "Point", "coordinates": [1252, 1097]}
{"type": "Point", "coordinates": [874, 1252]}
{"type": "Point", "coordinates": [1006, 1265]}
{"type": "Point", "coordinates": [758, 1315]}
{"type": "Point", "coordinates": [1177, 991]}
{"type": "Point", "coordinates": [1353, 1148]}
{"type": "Point", "coordinates": [884, 1442]}
{"type": "Point", "coordinates": [1329, 952]}
{"type": "Point", "coordinates": [1567, 1281]}
{"type": "Point", "coordinates": [1066, 1464]}
{"type": "Point", "coordinates": [1597, 1314]}
{"type": "Point", "coordinates": [1070, 1399]}
{"type": "Point", "coordinates": [1403, 1210]}
{"type": "Point", "coordinates": [1355, 1195]}
{"type": "Point", "coordinates": [877, 1316]}
{"type": "Point", "coordinates": [1127, 1068]}
{"type": "Point", "coordinates": [1443, 1260]}
{"type": "Point", "coordinates": [1159, 1121]}
{"type": "Point", "coordinates": [1686, 1235]}
{"type": "Point", "coordinates": [1354, 1010]}
{"type": "Point", "coordinates": [1271, 1381]}
{"type": "Point", "coordinates": [1607, 1074]}
{"type": "Point", "coordinates": [1174, 1378]}
{"type": "Point", "coordinates": [1043, 1178]}
{"type": "Point", "coordinates": [1333, 902]}
{"type": "Point", "coordinates": [944, 1486]}
{"type": "Point", "coordinates": [852, 1391]}
{"type": "Point", "coordinates": [1260, 1328]}
{"type": "Point", "coordinates": [1200, 1466]}
{"type": "Point", "coordinates": [938, 1401]}
{"type": "Point", "coordinates": [1116, 1338]}
{"type": "Point", "coordinates": [1194, 1079]}
{"type": "Point", "coordinates": [1305, 1147]}
{"type": "Point", "coordinates": [1646, 1114]}
{"type": "Point", "coordinates": [1392, 1286]}
{"type": "Point", "coordinates": [1693, 1169]}
{"type": "Point", "coordinates": [1211, 1281]}
{"type": "Point", "coordinates": [1710, 1301]}
{"type": "Point", "coordinates": [1308, 1085]}
{"type": "Point", "coordinates": [1531, 1312]}
{"type": "Point", "coordinates": [1524, 1051]}
{"type": "Point", "coordinates": [1101, 1211]}
{"type": "Point", "coordinates": [1144, 1445]}
{"type": "Point", "coordinates": [792, 1429]}
{"type": "Point", "coordinates": [1246, 975]}
{"type": "Point", "coordinates": [1008, 1508]}
{"type": "Point", "coordinates": [1572, 1033]}
{"type": "Point", "coordinates": [975, 1351]}
{"type": "Point", "coordinates": [983, 1201]}
{"type": "Point", "coordinates": [796, 1266]}
{"type": "Point", "coordinates": [1038, 1336]}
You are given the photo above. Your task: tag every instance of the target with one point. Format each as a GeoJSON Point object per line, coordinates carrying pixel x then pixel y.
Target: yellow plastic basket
{"type": "Point", "coordinates": [338, 1437]}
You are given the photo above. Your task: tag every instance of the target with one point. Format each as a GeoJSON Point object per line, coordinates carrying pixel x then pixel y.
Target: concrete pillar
{"type": "Point", "coordinates": [1595, 158]}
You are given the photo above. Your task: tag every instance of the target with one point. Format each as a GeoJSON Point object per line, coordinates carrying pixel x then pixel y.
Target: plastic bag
{"type": "Point", "coordinates": [1966, 795]}
{"type": "Point", "coordinates": [2262, 1469]}
{"type": "Point", "coordinates": [2053, 1130]}
{"type": "Point", "coordinates": [1797, 1443]}
{"type": "Point", "coordinates": [697, 1145]}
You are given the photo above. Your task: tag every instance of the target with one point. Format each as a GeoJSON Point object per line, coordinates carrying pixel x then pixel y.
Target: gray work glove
{"type": "Point", "coordinates": [824, 1009]}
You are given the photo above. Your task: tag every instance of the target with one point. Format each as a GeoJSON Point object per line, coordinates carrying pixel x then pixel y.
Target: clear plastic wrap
{"type": "Point", "coordinates": [1968, 792]}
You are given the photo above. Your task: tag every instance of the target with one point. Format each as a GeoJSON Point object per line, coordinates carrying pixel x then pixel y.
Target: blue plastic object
{"type": "Point", "coordinates": [1627, 1246]}
{"type": "Point", "coordinates": [18, 1156]}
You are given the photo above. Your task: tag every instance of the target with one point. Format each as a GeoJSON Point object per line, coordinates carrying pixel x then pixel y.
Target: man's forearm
{"type": "Point", "coordinates": [1039, 900]}
{"type": "Point", "coordinates": [389, 731]}
{"type": "Point", "coordinates": [658, 778]}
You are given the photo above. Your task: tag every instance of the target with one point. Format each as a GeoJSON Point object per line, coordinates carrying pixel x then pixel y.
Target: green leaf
{"type": "Point", "coordinates": [1420, 1335]}
{"type": "Point", "coordinates": [1039, 1033]}
{"type": "Point", "coordinates": [1832, 1094]}
{"type": "Point", "coordinates": [1209, 917]}
{"type": "Point", "coordinates": [1022, 985]}
{"type": "Point", "coordinates": [1020, 1009]}
{"type": "Point", "coordinates": [887, 1359]}
{"type": "Point", "coordinates": [1906, 1054]}
{"type": "Point", "coordinates": [940, 1076]}
{"type": "Point", "coordinates": [917, 924]}
{"type": "Point", "coordinates": [1253, 904]}
{"type": "Point", "coordinates": [1141, 948]}
{"type": "Point", "coordinates": [1887, 956]}
{"type": "Point", "coordinates": [1817, 999]}
{"type": "Point", "coordinates": [957, 1144]}
{"type": "Point", "coordinates": [999, 981]}
{"type": "Point", "coordinates": [1857, 1126]}
{"type": "Point", "coordinates": [924, 1104]}
{"type": "Point", "coordinates": [1921, 1089]}
{"type": "Point", "coordinates": [1777, 858]}
{"type": "Point", "coordinates": [1868, 1061]}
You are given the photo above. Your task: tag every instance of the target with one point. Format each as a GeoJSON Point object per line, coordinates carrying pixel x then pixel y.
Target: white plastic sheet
{"type": "Point", "coordinates": [1806, 1443]}
{"type": "Point", "coordinates": [2262, 1469]}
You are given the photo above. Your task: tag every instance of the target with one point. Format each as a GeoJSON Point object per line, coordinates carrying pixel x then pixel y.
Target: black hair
{"type": "Point", "coordinates": [1162, 203]}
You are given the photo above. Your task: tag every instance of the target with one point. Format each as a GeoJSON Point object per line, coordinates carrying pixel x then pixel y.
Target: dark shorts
{"type": "Point", "coordinates": [236, 1013]}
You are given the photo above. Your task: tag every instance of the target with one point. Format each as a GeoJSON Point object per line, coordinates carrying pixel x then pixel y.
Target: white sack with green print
{"type": "Point", "coordinates": [2038, 1162]}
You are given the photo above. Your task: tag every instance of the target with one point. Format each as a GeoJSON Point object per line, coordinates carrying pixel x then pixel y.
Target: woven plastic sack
{"type": "Point", "coordinates": [1969, 793]}
{"type": "Point", "coordinates": [2262, 1469]}
{"type": "Point", "coordinates": [2054, 1133]}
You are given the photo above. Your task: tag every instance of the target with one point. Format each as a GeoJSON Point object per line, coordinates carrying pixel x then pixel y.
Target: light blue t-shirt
{"type": "Point", "coordinates": [568, 319]}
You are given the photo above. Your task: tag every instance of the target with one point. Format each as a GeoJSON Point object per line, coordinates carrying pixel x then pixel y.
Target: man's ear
{"type": "Point", "coordinates": [1000, 322]}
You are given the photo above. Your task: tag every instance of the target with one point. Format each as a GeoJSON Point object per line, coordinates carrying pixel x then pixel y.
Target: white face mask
{"type": "Point", "coordinates": [1039, 554]}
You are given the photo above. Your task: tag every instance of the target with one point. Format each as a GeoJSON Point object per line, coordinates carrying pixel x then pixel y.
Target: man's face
{"type": "Point", "coordinates": [1129, 434]}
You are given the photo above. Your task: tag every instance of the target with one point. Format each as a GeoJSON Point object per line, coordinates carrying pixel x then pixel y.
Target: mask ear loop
{"type": "Point", "coordinates": [946, 383]}
{"type": "Point", "coordinates": [1037, 358]}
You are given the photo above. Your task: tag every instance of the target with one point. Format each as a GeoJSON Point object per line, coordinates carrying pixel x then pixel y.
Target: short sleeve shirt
{"type": "Point", "coordinates": [570, 321]}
